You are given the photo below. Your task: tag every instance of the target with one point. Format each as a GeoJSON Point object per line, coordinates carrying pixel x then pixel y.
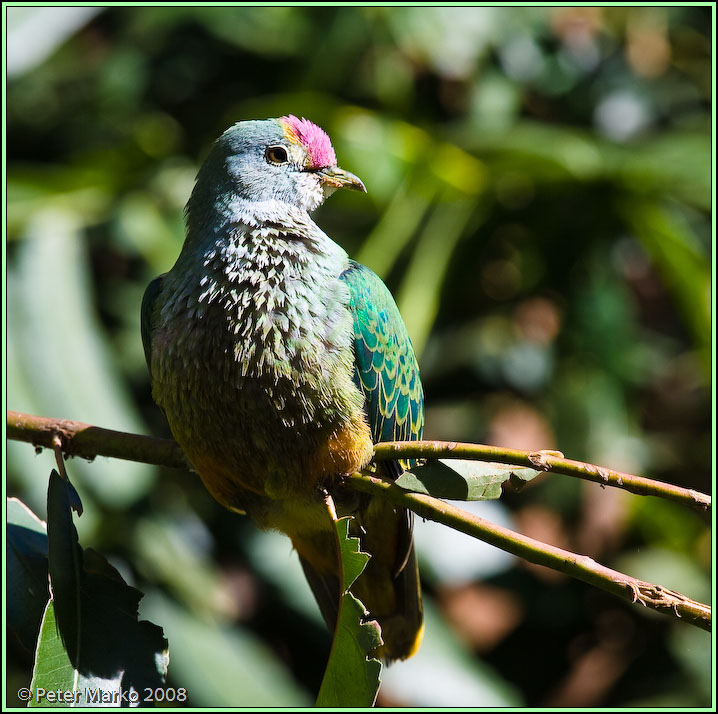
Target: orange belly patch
{"type": "Point", "coordinates": [347, 450]}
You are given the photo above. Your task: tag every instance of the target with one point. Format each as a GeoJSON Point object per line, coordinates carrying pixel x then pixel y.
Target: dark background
{"type": "Point", "coordinates": [539, 204]}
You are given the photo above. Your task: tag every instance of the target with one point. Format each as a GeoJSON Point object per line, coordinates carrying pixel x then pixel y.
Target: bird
{"type": "Point", "coordinates": [279, 362]}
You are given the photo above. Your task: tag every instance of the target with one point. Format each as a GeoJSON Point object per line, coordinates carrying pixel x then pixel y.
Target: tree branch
{"type": "Point", "coordinates": [578, 566]}
{"type": "Point", "coordinates": [546, 461]}
{"type": "Point", "coordinates": [88, 441]}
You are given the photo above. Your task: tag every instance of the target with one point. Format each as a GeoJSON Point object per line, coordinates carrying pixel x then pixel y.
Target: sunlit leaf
{"type": "Point", "coordinates": [351, 678]}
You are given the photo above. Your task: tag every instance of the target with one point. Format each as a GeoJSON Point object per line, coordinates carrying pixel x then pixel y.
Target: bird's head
{"type": "Point", "coordinates": [286, 159]}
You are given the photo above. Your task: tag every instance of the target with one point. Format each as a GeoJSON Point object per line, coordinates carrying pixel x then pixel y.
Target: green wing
{"type": "Point", "coordinates": [386, 368]}
{"type": "Point", "coordinates": [388, 375]}
{"type": "Point", "coordinates": [148, 305]}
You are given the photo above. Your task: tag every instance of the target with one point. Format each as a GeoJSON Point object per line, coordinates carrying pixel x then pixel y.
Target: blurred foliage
{"type": "Point", "coordinates": [539, 202]}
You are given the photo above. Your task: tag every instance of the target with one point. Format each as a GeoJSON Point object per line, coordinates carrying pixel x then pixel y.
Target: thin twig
{"type": "Point", "coordinates": [578, 566]}
{"type": "Point", "coordinates": [545, 461]}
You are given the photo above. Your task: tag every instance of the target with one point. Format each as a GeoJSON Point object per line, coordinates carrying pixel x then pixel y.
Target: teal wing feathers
{"type": "Point", "coordinates": [388, 375]}
{"type": "Point", "coordinates": [386, 368]}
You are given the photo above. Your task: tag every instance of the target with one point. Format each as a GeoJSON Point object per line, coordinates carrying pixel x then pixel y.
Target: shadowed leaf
{"type": "Point", "coordinates": [90, 638]}
{"type": "Point", "coordinates": [65, 560]}
{"type": "Point", "coordinates": [460, 480]}
{"type": "Point", "coordinates": [27, 584]}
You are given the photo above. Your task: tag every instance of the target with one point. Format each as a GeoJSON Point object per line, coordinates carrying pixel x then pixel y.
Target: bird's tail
{"type": "Point", "coordinates": [389, 586]}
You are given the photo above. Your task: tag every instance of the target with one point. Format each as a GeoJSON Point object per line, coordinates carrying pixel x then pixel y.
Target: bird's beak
{"type": "Point", "coordinates": [339, 178]}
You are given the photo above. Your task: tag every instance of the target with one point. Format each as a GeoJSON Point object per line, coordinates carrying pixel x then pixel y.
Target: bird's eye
{"type": "Point", "coordinates": [276, 155]}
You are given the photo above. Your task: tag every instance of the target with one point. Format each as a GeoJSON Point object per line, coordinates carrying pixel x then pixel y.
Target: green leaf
{"type": "Point", "coordinates": [460, 480]}
{"type": "Point", "coordinates": [91, 642]}
{"type": "Point", "coordinates": [692, 648]}
{"type": "Point", "coordinates": [64, 560]}
{"type": "Point", "coordinates": [53, 670]}
{"type": "Point", "coordinates": [351, 678]}
{"type": "Point", "coordinates": [353, 560]}
{"type": "Point", "coordinates": [27, 590]}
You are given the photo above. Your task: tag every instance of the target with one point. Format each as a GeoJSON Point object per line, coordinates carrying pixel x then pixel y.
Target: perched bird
{"type": "Point", "coordinates": [279, 361]}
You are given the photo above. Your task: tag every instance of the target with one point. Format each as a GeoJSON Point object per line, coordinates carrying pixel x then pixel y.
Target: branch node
{"type": "Point", "coordinates": [540, 458]}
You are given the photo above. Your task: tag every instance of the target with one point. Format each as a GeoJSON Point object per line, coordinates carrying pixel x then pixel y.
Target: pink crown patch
{"type": "Point", "coordinates": [312, 138]}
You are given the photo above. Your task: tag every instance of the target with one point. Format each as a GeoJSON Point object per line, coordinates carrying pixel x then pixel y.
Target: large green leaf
{"type": "Point", "coordinates": [91, 640]}
{"type": "Point", "coordinates": [53, 670]}
{"type": "Point", "coordinates": [461, 480]}
{"type": "Point", "coordinates": [351, 678]}
{"type": "Point", "coordinates": [65, 561]}
{"type": "Point", "coordinates": [27, 584]}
